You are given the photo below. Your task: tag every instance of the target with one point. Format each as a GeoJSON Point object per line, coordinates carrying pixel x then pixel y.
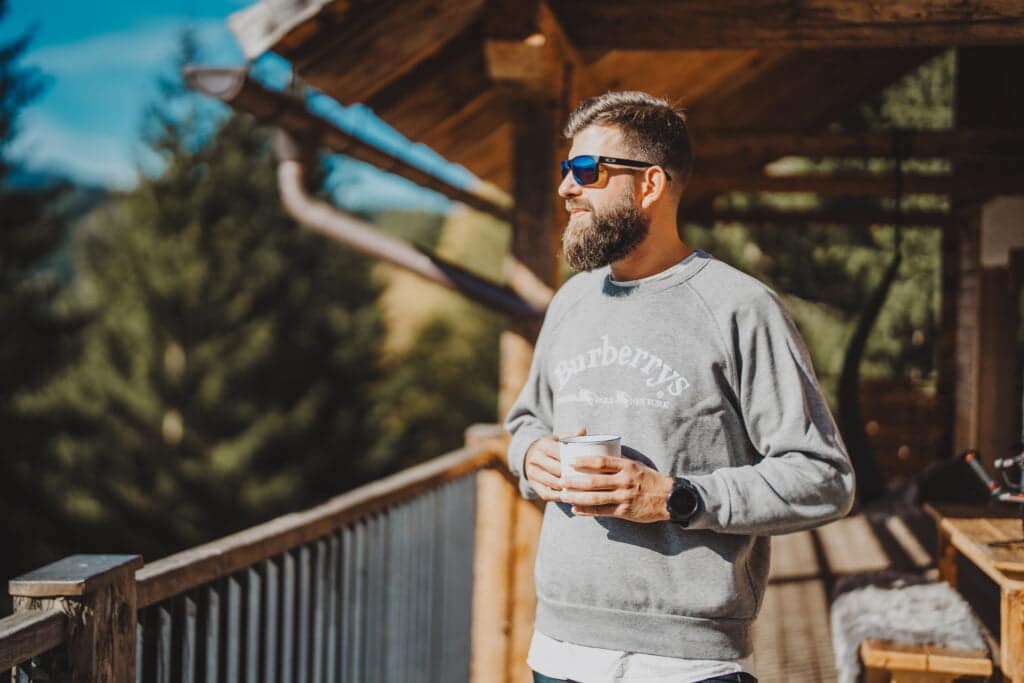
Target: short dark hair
{"type": "Point", "coordinates": [653, 129]}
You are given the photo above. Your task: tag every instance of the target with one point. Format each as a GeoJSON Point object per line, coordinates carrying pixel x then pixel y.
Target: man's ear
{"type": "Point", "coordinates": [653, 186]}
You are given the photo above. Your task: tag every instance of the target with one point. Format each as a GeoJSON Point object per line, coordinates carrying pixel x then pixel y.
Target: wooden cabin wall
{"type": "Point", "coordinates": [981, 388]}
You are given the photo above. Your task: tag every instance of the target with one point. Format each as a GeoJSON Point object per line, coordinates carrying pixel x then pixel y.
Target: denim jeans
{"type": "Point", "coordinates": [541, 678]}
{"type": "Point", "coordinates": [729, 678]}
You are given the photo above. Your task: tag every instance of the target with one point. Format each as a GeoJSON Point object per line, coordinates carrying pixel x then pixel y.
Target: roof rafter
{"type": "Point", "coordinates": [861, 185]}
{"type": "Point", "coordinates": [950, 144]}
{"type": "Point", "coordinates": [712, 24]}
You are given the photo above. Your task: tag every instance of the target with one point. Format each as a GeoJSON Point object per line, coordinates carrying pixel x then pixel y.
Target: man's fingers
{"type": "Point", "coordinates": [543, 461]}
{"type": "Point", "coordinates": [549, 447]}
{"type": "Point", "coordinates": [600, 463]}
{"type": "Point", "coordinates": [592, 498]}
{"type": "Point", "coordinates": [593, 482]}
{"type": "Point", "coordinates": [538, 475]}
{"type": "Point", "coordinates": [545, 493]}
{"type": "Point", "coordinates": [595, 510]}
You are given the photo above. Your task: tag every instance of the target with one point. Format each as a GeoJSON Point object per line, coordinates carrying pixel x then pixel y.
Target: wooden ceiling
{"type": "Point", "coordinates": [439, 70]}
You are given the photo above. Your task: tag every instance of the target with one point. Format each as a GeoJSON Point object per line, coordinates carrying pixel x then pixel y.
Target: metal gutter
{"type": "Point", "coordinates": [235, 87]}
{"type": "Point", "coordinates": [525, 297]}
{"type": "Point", "coordinates": [364, 237]}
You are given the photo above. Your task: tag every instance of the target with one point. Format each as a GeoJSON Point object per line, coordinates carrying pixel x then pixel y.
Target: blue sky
{"type": "Point", "coordinates": [103, 60]}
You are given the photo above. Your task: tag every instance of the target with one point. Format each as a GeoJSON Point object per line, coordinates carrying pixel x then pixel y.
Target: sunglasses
{"type": "Point", "coordinates": [586, 169]}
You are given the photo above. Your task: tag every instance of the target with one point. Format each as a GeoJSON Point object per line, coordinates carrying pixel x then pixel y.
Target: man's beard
{"type": "Point", "coordinates": [606, 237]}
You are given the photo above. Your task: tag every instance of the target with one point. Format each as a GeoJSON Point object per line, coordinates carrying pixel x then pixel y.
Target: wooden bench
{"type": "Point", "coordinates": [888, 662]}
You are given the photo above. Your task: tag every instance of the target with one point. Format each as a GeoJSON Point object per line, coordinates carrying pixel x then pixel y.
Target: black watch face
{"type": "Point", "coordinates": [682, 502]}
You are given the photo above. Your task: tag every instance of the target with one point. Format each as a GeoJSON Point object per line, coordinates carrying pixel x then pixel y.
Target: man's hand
{"type": "Point", "coordinates": [543, 466]}
{"type": "Point", "coordinates": [617, 487]}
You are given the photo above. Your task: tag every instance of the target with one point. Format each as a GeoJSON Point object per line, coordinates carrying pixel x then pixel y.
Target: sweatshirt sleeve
{"type": "Point", "coordinates": [531, 416]}
{"type": "Point", "coordinates": [803, 477]}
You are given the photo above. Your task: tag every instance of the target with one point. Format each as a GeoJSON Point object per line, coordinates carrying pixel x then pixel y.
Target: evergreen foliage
{"type": "Point", "coordinates": [225, 377]}
{"type": "Point", "coordinates": [38, 338]}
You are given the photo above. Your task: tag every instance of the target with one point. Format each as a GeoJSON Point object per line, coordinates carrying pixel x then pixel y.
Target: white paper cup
{"type": "Point", "coordinates": [573, 447]}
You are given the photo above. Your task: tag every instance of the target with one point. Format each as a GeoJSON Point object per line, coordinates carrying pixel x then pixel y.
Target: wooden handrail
{"type": "Point", "coordinates": [29, 634]}
{"type": "Point", "coordinates": [196, 566]}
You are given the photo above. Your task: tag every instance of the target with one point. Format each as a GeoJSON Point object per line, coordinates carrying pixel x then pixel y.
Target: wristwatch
{"type": "Point", "coordinates": [683, 501]}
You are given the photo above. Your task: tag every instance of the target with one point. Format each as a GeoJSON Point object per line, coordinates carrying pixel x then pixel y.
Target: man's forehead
{"type": "Point", "coordinates": [602, 140]}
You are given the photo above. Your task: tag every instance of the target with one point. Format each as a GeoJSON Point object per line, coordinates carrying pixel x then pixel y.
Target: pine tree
{"type": "Point", "coordinates": [38, 339]}
{"type": "Point", "coordinates": [225, 378]}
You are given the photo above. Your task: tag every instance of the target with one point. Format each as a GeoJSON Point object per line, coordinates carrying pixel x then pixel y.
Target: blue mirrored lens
{"type": "Point", "coordinates": [584, 170]}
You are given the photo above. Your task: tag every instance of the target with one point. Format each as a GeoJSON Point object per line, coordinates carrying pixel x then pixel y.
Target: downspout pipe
{"type": "Point", "coordinates": [527, 296]}
{"type": "Point", "coordinates": [364, 237]}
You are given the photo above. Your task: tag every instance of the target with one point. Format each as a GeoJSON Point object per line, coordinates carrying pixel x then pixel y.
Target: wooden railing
{"type": "Point", "coordinates": [416, 577]}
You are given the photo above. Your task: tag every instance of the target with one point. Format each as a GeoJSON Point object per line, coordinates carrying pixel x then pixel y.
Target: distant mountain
{"type": "Point", "coordinates": [24, 178]}
{"type": "Point", "coordinates": [73, 201]}
{"type": "Point", "coordinates": [70, 202]}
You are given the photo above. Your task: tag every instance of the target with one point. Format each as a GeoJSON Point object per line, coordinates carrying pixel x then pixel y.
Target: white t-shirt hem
{"type": "Point", "coordinates": [561, 660]}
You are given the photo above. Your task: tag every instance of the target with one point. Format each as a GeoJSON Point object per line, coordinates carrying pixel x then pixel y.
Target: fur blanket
{"type": "Point", "coordinates": [904, 610]}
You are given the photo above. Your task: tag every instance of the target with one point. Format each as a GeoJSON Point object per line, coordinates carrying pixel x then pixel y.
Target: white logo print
{"type": "Point", "coordinates": [656, 372]}
{"type": "Point", "coordinates": [619, 398]}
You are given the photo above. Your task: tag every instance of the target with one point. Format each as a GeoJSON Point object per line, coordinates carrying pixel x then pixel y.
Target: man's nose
{"type": "Point", "coordinates": [569, 187]}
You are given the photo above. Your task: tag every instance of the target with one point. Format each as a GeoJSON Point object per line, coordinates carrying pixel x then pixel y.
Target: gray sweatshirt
{"type": "Point", "coordinates": [703, 375]}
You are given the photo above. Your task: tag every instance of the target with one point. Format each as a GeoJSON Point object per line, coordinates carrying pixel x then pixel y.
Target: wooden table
{"type": "Point", "coordinates": [966, 531]}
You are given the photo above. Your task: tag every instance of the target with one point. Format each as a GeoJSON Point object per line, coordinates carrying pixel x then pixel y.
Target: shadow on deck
{"type": "Point", "coordinates": [792, 637]}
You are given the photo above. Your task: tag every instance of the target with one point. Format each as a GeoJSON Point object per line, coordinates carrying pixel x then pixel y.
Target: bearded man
{"type": "Point", "coordinates": [652, 566]}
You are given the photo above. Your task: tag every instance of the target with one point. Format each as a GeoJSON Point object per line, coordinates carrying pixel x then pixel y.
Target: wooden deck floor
{"type": "Point", "coordinates": [792, 638]}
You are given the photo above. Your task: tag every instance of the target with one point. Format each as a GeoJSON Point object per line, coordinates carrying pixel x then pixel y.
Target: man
{"type": "Point", "coordinates": [653, 566]}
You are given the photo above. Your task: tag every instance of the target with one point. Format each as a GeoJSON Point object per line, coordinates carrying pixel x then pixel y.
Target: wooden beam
{"type": "Point", "coordinates": [29, 634]}
{"type": "Point", "coordinates": [266, 25]}
{"type": "Point", "coordinates": [526, 45]}
{"type": "Point", "coordinates": [861, 185]}
{"type": "Point", "coordinates": [354, 50]}
{"type": "Point", "coordinates": [777, 99]}
{"type": "Point", "coordinates": [688, 75]}
{"type": "Point", "coordinates": [802, 89]}
{"type": "Point", "coordinates": [436, 88]}
{"type": "Point", "coordinates": [824, 217]}
{"type": "Point", "coordinates": [948, 144]}
{"type": "Point", "coordinates": [712, 24]}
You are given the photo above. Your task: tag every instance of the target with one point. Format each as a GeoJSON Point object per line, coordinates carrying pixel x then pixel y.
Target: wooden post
{"type": "Point", "coordinates": [489, 644]}
{"type": "Point", "coordinates": [492, 562]}
{"type": "Point", "coordinates": [946, 351]}
{"type": "Point", "coordinates": [986, 400]}
{"type": "Point", "coordinates": [967, 309]}
{"type": "Point", "coordinates": [528, 517]}
{"type": "Point", "coordinates": [97, 593]}
{"type": "Point", "coordinates": [535, 231]}
{"type": "Point", "coordinates": [1011, 611]}
{"type": "Point", "coordinates": [946, 556]}
{"type": "Point", "coordinates": [504, 594]}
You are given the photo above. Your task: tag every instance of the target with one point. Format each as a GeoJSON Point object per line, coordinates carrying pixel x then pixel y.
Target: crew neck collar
{"type": "Point", "coordinates": [674, 274]}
